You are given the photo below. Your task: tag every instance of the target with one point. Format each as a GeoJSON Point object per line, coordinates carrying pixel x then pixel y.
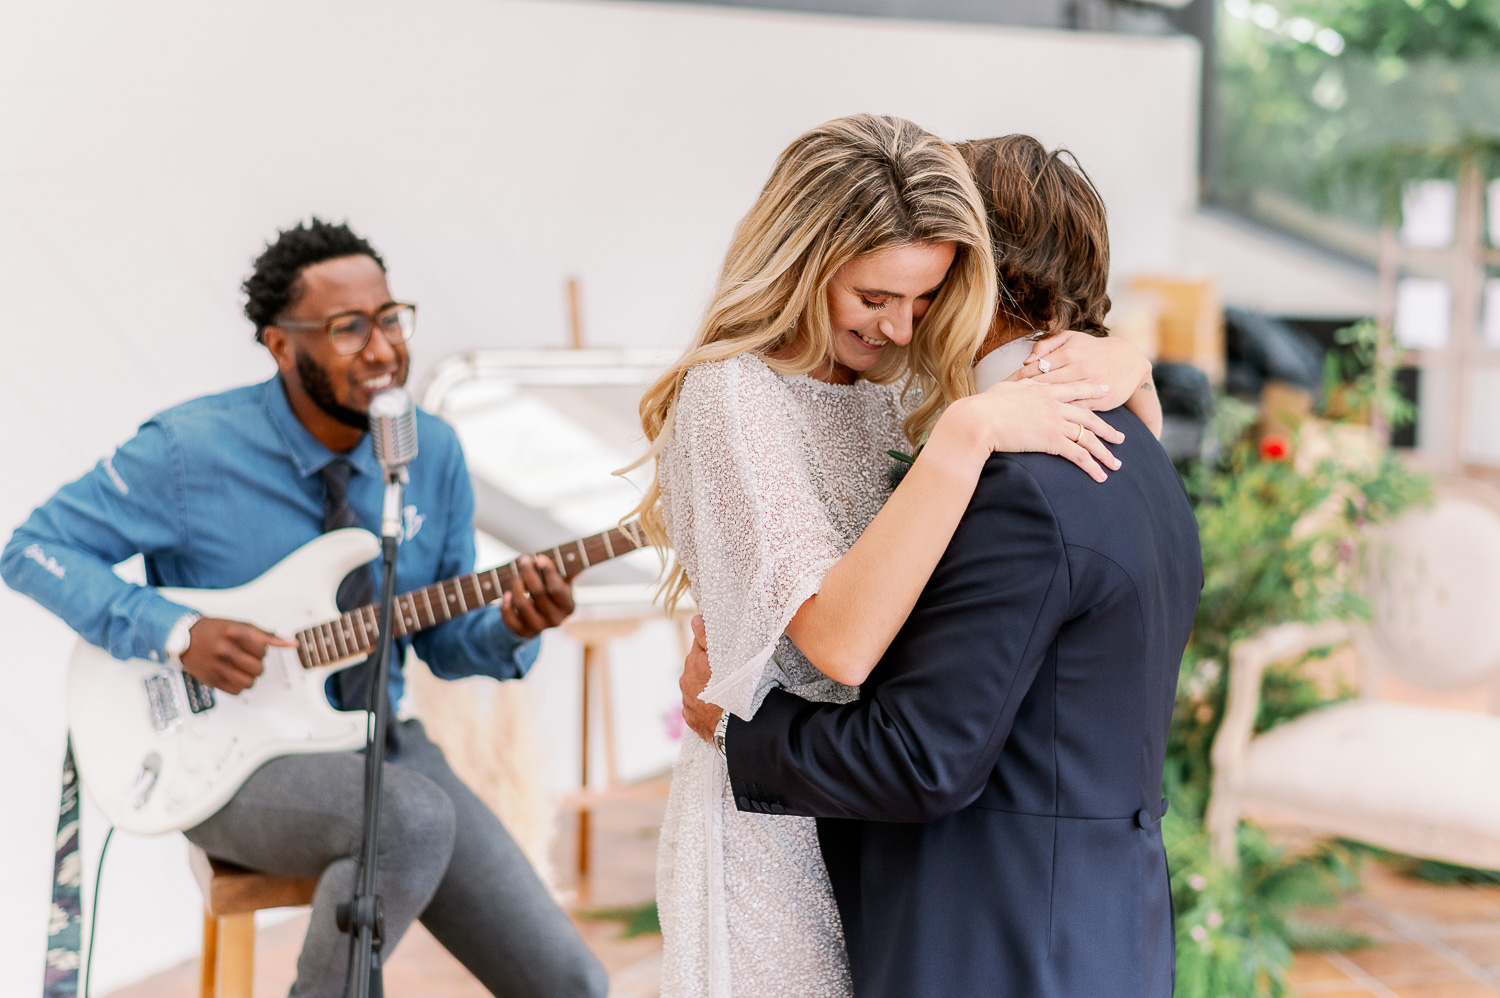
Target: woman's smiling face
{"type": "Point", "coordinates": [876, 300]}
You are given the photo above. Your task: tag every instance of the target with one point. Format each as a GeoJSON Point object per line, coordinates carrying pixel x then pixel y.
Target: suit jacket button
{"type": "Point", "coordinates": [778, 809]}
{"type": "Point", "coordinates": [743, 802]}
{"type": "Point", "coordinates": [1144, 819]}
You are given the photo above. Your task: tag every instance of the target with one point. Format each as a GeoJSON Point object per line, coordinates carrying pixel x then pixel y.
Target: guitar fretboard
{"type": "Point", "coordinates": [354, 634]}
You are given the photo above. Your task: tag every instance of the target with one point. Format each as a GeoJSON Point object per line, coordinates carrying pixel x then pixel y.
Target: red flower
{"type": "Point", "coordinates": [1274, 448]}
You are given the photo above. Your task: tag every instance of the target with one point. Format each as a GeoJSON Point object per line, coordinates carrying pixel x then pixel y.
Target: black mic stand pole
{"type": "Point", "coordinates": [363, 916]}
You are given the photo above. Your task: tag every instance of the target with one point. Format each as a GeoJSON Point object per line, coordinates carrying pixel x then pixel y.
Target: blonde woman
{"type": "Point", "coordinates": [864, 264]}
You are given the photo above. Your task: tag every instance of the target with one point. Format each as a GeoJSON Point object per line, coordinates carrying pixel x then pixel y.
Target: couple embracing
{"type": "Point", "coordinates": [966, 677]}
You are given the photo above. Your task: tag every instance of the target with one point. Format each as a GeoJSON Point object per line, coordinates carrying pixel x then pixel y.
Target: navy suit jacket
{"type": "Point", "coordinates": [990, 808]}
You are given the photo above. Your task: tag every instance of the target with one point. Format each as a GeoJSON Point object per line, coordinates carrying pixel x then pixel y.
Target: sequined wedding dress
{"type": "Point", "coordinates": [766, 481]}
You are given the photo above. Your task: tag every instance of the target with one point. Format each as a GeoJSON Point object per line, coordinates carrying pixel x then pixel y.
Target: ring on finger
{"type": "Point", "coordinates": [1079, 435]}
{"type": "Point", "coordinates": [1044, 365]}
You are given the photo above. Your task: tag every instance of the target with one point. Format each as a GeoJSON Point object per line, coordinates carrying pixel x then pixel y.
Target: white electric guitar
{"type": "Point", "coordinates": [159, 751]}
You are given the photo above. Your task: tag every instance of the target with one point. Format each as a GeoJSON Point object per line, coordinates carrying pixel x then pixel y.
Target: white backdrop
{"type": "Point", "coordinates": [489, 148]}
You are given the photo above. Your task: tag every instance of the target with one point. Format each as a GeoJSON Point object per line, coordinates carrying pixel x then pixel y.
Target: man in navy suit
{"type": "Point", "coordinates": [989, 809]}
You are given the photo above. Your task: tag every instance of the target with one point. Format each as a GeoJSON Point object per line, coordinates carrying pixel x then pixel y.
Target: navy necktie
{"type": "Point", "coordinates": [352, 685]}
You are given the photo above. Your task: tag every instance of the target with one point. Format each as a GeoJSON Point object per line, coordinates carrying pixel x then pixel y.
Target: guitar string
{"type": "Point", "coordinates": [329, 635]}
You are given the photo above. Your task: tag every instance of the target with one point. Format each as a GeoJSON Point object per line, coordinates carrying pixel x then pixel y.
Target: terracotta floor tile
{"type": "Point", "coordinates": [1351, 918]}
{"type": "Point", "coordinates": [1379, 877]}
{"type": "Point", "coordinates": [1483, 950]}
{"type": "Point", "coordinates": [1458, 988]}
{"type": "Point", "coordinates": [1314, 968]}
{"type": "Point", "coordinates": [1442, 905]}
{"type": "Point", "coordinates": [1400, 959]}
{"type": "Point", "coordinates": [1399, 892]}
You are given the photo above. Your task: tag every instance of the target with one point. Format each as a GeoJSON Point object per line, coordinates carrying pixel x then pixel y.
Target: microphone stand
{"type": "Point", "coordinates": [363, 917]}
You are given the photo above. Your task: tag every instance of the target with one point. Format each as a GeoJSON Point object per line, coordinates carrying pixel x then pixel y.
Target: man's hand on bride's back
{"type": "Point", "coordinates": [701, 717]}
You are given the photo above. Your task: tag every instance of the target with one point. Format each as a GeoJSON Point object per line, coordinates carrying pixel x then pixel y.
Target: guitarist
{"type": "Point", "coordinates": [216, 491]}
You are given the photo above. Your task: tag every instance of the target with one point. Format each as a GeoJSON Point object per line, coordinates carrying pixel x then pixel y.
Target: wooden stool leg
{"type": "Point", "coordinates": [237, 955]}
{"type": "Point", "coordinates": [607, 710]}
{"type": "Point", "coordinates": [210, 955]}
{"type": "Point", "coordinates": [590, 653]}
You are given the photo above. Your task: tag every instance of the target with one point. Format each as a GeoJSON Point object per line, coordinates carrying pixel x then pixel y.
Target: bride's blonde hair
{"type": "Point", "coordinates": [850, 187]}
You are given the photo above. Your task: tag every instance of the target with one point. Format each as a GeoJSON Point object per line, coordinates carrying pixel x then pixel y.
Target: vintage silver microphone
{"type": "Point", "coordinates": [393, 432]}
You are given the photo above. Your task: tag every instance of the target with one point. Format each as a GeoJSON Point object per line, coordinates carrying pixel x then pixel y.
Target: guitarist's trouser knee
{"type": "Point", "coordinates": [303, 816]}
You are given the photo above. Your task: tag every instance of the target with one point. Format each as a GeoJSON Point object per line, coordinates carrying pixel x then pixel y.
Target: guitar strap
{"type": "Point", "coordinates": [65, 923]}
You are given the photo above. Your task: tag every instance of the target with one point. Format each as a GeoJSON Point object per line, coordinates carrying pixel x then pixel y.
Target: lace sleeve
{"type": "Point", "coordinates": [744, 520]}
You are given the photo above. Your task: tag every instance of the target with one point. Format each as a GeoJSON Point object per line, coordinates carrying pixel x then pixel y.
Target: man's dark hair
{"type": "Point", "coordinates": [276, 282]}
{"type": "Point", "coordinates": [1050, 237]}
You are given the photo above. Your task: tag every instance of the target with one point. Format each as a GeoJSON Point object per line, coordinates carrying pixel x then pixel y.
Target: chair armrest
{"type": "Point", "coordinates": [1248, 660]}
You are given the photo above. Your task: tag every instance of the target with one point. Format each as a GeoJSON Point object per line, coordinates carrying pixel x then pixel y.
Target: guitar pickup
{"type": "Point", "coordinates": [200, 696]}
{"type": "Point", "coordinates": [161, 699]}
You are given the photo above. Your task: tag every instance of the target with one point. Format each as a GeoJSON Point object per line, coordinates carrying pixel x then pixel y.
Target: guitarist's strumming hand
{"type": "Point", "coordinates": [227, 654]}
{"type": "Point", "coordinates": [538, 597]}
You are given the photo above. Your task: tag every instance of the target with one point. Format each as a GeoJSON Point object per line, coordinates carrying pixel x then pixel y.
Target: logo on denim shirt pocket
{"type": "Point", "coordinates": [411, 522]}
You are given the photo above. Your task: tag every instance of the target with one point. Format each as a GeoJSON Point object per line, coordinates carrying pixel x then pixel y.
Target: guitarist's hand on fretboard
{"type": "Point", "coordinates": [537, 598]}
{"type": "Point", "coordinates": [227, 654]}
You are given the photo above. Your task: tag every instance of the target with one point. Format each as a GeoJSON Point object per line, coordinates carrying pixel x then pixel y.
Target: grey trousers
{"type": "Point", "coordinates": [444, 858]}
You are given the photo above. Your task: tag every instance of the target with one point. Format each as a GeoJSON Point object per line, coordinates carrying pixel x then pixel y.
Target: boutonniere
{"type": "Point", "coordinates": [896, 472]}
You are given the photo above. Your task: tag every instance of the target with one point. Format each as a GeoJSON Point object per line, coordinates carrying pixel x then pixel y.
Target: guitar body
{"type": "Point", "coordinates": [156, 757]}
{"type": "Point", "coordinates": [159, 752]}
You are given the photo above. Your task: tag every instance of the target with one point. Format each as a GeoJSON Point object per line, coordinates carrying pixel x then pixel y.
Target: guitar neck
{"type": "Point", "coordinates": [355, 633]}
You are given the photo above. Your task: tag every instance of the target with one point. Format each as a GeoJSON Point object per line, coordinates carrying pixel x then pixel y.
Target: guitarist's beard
{"type": "Point", "coordinates": [320, 389]}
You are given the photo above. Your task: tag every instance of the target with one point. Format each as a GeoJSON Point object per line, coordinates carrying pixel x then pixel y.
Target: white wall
{"type": "Point", "coordinates": [489, 148]}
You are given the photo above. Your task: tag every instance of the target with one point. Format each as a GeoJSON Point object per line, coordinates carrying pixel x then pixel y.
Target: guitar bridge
{"type": "Point", "coordinates": [161, 698]}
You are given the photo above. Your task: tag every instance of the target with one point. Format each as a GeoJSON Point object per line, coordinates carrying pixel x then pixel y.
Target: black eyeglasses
{"type": "Point", "coordinates": [350, 331]}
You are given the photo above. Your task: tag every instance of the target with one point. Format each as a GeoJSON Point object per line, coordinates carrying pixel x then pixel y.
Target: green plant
{"type": "Point", "coordinates": [1235, 930]}
{"type": "Point", "coordinates": [1358, 380]}
{"type": "Point", "coordinates": [1283, 525]}
{"type": "Point", "coordinates": [1451, 29]}
{"type": "Point", "coordinates": [638, 920]}
{"type": "Point", "coordinates": [1331, 104]}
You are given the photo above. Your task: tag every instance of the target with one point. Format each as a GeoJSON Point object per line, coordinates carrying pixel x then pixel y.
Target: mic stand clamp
{"type": "Point", "coordinates": [363, 917]}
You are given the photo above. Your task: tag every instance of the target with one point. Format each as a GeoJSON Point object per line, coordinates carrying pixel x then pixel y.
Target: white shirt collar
{"type": "Point", "coordinates": [1001, 362]}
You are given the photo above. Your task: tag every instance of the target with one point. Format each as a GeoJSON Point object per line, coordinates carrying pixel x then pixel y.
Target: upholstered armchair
{"type": "Point", "coordinates": [1412, 764]}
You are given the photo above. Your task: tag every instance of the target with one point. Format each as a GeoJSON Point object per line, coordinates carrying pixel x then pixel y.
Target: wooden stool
{"type": "Point", "coordinates": [231, 897]}
{"type": "Point", "coordinates": [595, 627]}
{"type": "Point", "coordinates": [595, 632]}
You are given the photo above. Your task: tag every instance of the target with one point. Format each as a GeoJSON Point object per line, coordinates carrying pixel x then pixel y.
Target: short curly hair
{"type": "Point", "coordinates": [1050, 234]}
{"type": "Point", "coordinates": [276, 282]}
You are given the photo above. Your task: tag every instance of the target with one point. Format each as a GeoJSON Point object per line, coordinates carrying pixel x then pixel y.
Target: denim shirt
{"type": "Point", "coordinates": [216, 491]}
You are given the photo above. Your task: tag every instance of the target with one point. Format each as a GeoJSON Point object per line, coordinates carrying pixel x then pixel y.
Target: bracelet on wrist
{"type": "Point", "coordinates": [721, 730]}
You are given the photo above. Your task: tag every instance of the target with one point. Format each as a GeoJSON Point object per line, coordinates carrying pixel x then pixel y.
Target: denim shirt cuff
{"type": "Point", "coordinates": [480, 645]}
{"type": "Point", "coordinates": [512, 655]}
{"type": "Point", "coordinates": [153, 624]}
{"type": "Point", "coordinates": [523, 651]}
